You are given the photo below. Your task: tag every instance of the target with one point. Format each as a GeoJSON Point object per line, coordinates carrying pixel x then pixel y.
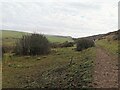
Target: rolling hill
{"type": "Point", "coordinates": [106, 35]}
{"type": "Point", "coordinates": [11, 35]}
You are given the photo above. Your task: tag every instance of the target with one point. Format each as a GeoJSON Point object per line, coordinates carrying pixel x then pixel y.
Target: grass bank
{"type": "Point", "coordinates": [110, 46]}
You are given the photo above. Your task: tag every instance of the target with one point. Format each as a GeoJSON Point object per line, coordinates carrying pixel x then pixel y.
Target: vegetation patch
{"type": "Point", "coordinates": [84, 44]}
{"type": "Point", "coordinates": [62, 45]}
{"type": "Point", "coordinates": [34, 44]}
{"type": "Point", "coordinates": [67, 70]}
{"type": "Point", "coordinates": [109, 45]}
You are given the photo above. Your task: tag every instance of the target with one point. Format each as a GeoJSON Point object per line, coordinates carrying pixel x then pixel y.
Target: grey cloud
{"type": "Point", "coordinates": [64, 18]}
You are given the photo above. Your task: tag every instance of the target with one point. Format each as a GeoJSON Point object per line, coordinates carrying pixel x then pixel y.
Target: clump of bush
{"type": "Point", "coordinates": [34, 44]}
{"type": "Point", "coordinates": [61, 45]}
{"type": "Point", "coordinates": [84, 44]}
{"type": "Point", "coordinates": [67, 44]}
{"type": "Point", "coordinates": [7, 49]}
{"type": "Point", "coordinates": [55, 45]}
{"type": "Point", "coordinates": [115, 37]}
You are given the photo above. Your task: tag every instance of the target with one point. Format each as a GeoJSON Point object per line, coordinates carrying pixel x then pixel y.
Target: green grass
{"type": "Point", "coordinates": [9, 37]}
{"type": "Point", "coordinates": [53, 70]}
{"type": "Point", "coordinates": [12, 34]}
{"type": "Point", "coordinates": [111, 46]}
{"type": "Point", "coordinates": [59, 39]}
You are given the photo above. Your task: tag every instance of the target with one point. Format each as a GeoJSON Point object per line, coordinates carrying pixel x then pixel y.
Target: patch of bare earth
{"type": "Point", "coordinates": [105, 70]}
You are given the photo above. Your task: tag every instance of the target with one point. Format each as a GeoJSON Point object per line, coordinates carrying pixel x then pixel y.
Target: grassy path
{"type": "Point", "coordinates": [105, 70]}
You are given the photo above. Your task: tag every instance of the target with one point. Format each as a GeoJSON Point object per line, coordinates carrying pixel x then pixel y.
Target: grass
{"type": "Point", "coordinates": [9, 37]}
{"type": "Point", "coordinates": [12, 34]}
{"type": "Point", "coordinates": [111, 46]}
{"type": "Point", "coordinates": [63, 67]}
{"type": "Point", "coordinates": [59, 39]}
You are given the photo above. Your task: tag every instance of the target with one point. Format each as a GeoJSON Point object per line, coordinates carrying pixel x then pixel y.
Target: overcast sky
{"type": "Point", "coordinates": [76, 18]}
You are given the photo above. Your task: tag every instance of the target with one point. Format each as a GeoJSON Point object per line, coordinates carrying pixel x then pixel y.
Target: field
{"type": "Point", "coordinates": [54, 70]}
{"type": "Point", "coordinates": [9, 37]}
{"type": "Point", "coordinates": [63, 67]}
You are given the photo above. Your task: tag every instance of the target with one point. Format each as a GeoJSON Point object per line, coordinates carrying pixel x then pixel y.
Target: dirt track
{"type": "Point", "coordinates": [105, 70]}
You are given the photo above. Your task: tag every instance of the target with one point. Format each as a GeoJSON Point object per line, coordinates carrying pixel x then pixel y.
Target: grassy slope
{"type": "Point", "coordinates": [58, 39]}
{"type": "Point", "coordinates": [52, 70]}
{"type": "Point", "coordinates": [9, 37]}
{"type": "Point", "coordinates": [12, 34]}
{"type": "Point", "coordinates": [111, 46]}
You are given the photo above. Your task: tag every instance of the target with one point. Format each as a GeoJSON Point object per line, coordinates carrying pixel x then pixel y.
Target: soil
{"type": "Point", "coordinates": [105, 70]}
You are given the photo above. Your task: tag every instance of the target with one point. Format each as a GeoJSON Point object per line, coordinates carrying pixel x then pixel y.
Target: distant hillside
{"type": "Point", "coordinates": [12, 34]}
{"type": "Point", "coordinates": [112, 35]}
{"type": "Point", "coordinates": [100, 36]}
{"type": "Point", "coordinates": [94, 37]}
{"type": "Point", "coordinates": [54, 38]}
{"type": "Point", "coordinates": [18, 34]}
{"type": "Point", "coordinates": [114, 32]}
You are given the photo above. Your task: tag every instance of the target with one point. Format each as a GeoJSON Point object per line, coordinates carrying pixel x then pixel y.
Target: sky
{"type": "Point", "coordinates": [76, 18]}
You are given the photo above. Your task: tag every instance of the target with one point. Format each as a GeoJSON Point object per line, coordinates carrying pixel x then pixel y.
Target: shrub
{"type": "Point", "coordinates": [109, 39]}
{"type": "Point", "coordinates": [61, 45]}
{"type": "Point", "coordinates": [7, 49]}
{"type": "Point", "coordinates": [55, 45]}
{"type": "Point", "coordinates": [34, 44]}
{"type": "Point", "coordinates": [115, 37]}
{"type": "Point", "coordinates": [84, 44]}
{"type": "Point", "coordinates": [67, 44]}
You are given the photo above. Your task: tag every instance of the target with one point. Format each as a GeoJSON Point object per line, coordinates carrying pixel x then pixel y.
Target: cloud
{"type": "Point", "coordinates": [74, 18]}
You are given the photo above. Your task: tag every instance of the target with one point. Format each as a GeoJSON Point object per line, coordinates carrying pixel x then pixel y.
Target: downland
{"type": "Point", "coordinates": [63, 67]}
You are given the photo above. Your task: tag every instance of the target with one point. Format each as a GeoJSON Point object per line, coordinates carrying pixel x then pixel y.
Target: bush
{"type": "Point", "coordinates": [34, 44]}
{"type": "Point", "coordinates": [67, 44]}
{"type": "Point", "coordinates": [84, 44]}
{"type": "Point", "coordinates": [55, 45]}
{"type": "Point", "coordinates": [115, 37]}
{"type": "Point", "coordinates": [61, 45]}
{"type": "Point", "coordinates": [7, 49]}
